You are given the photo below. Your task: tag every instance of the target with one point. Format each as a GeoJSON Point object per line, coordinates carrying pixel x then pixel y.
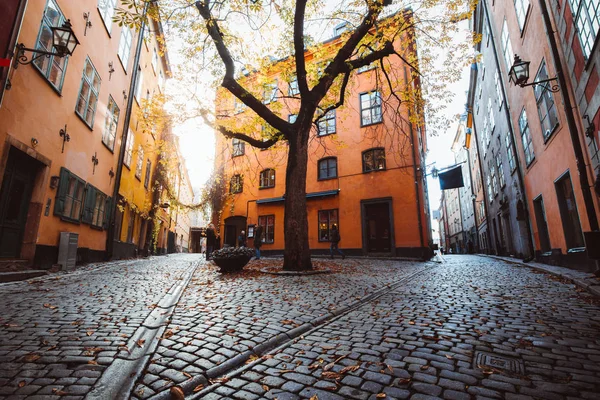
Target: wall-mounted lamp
{"type": "Point", "coordinates": [88, 23]}
{"type": "Point", "coordinates": [66, 138]}
{"type": "Point", "coordinates": [64, 43]}
{"type": "Point", "coordinates": [111, 69]}
{"type": "Point", "coordinates": [519, 75]}
{"type": "Point", "coordinates": [54, 181]}
{"type": "Point", "coordinates": [589, 131]}
{"type": "Point", "coordinates": [34, 142]}
{"type": "Point", "coordinates": [94, 162]}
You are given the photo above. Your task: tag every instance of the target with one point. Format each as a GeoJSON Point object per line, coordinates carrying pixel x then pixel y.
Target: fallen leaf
{"type": "Point", "coordinates": [404, 381]}
{"type": "Point", "coordinates": [287, 322]}
{"type": "Point", "coordinates": [31, 357]}
{"type": "Point", "coordinates": [22, 383]}
{"type": "Point", "coordinates": [252, 358]}
{"type": "Point", "coordinates": [198, 388]}
{"type": "Point", "coordinates": [350, 368]}
{"type": "Point", "coordinates": [58, 392]}
{"type": "Point", "coordinates": [449, 357]}
{"type": "Point", "coordinates": [176, 393]}
{"type": "Point", "coordinates": [381, 395]}
{"type": "Point", "coordinates": [411, 322]}
{"type": "Point", "coordinates": [424, 367]}
{"type": "Point", "coordinates": [50, 306]}
{"type": "Point", "coordinates": [219, 380]}
{"type": "Point", "coordinates": [140, 342]}
{"type": "Point", "coordinates": [93, 362]}
{"type": "Point", "coordinates": [89, 333]}
{"type": "Point", "coordinates": [315, 397]}
{"type": "Point", "coordinates": [331, 375]}
{"type": "Point", "coordinates": [186, 374]}
{"type": "Point", "coordinates": [266, 388]}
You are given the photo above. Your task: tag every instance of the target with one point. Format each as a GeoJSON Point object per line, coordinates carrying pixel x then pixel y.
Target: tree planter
{"type": "Point", "coordinates": [232, 259]}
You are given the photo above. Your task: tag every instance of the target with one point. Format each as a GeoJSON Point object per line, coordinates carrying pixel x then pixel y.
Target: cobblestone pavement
{"type": "Point", "coordinates": [453, 332]}
{"type": "Point", "coordinates": [58, 334]}
{"type": "Point", "coordinates": [221, 318]}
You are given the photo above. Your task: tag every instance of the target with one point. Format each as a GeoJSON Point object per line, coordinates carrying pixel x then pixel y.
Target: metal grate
{"type": "Point", "coordinates": [499, 362]}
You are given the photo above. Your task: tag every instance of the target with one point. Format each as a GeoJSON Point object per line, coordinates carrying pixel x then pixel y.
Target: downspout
{"type": "Point", "coordinates": [122, 149]}
{"type": "Point", "coordinates": [473, 198]}
{"type": "Point", "coordinates": [572, 125]}
{"type": "Point", "coordinates": [512, 144]}
{"type": "Point", "coordinates": [414, 165]}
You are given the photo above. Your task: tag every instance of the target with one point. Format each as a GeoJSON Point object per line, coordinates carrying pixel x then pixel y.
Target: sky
{"type": "Point", "coordinates": [198, 141]}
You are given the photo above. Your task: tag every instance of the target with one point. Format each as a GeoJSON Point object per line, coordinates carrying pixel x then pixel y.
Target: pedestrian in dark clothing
{"type": "Point", "coordinates": [258, 239]}
{"type": "Point", "coordinates": [210, 240]}
{"type": "Point", "coordinates": [242, 239]}
{"type": "Point", "coordinates": [334, 238]}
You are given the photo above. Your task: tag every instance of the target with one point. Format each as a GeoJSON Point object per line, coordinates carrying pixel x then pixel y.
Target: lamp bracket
{"type": "Point", "coordinates": [552, 88]}
{"type": "Point", "coordinates": [22, 59]}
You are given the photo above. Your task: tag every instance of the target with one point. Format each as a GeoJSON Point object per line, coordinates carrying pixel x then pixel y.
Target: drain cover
{"type": "Point", "coordinates": [499, 362]}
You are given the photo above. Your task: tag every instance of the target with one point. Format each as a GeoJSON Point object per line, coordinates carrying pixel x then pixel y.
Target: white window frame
{"type": "Point", "coordinates": [522, 9]}
{"type": "Point", "coordinates": [507, 50]}
{"type": "Point", "coordinates": [111, 123]}
{"type": "Point", "coordinates": [128, 150]}
{"type": "Point", "coordinates": [125, 46]}
{"type": "Point", "coordinates": [106, 8]}
{"type": "Point", "coordinates": [91, 98]}
{"type": "Point", "coordinates": [48, 64]}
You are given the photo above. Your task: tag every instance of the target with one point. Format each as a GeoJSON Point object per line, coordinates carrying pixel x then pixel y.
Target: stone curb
{"type": "Point", "coordinates": [279, 341]}
{"type": "Point", "coordinates": [17, 276]}
{"type": "Point", "coordinates": [593, 286]}
{"type": "Point", "coordinates": [119, 379]}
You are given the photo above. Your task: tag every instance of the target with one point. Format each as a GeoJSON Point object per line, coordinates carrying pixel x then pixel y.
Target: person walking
{"type": "Point", "coordinates": [258, 241]}
{"type": "Point", "coordinates": [242, 239]}
{"type": "Point", "coordinates": [334, 238]}
{"type": "Point", "coordinates": [210, 240]}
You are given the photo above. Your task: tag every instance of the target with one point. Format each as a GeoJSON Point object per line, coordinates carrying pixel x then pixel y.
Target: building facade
{"type": "Point", "coordinates": [363, 175]}
{"type": "Point", "coordinates": [537, 144]}
{"type": "Point", "coordinates": [62, 121]}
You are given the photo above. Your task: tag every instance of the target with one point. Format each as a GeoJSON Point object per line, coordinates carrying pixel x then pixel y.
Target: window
{"type": "Point", "coordinates": [491, 118]}
{"type": "Point", "coordinates": [542, 224]}
{"type": "Point", "coordinates": [267, 178]}
{"type": "Point", "coordinates": [511, 157]}
{"type": "Point", "coordinates": [489, 189]}
{"type": "Point", "coordinates": [568, 212]}
{"type": "Point", "coordinates": [125, 45]}
{"type": "Point", "coordinates": [373, 160]}
{"type": "Point", "coordinates": [292, 118]}
{"type": "Point", "coordinates": [52, 67]}
{"type": "Point", "coordinates": [95, 207]}
{"type": "Point", "coordinates": [501, 177]}
{"type": "Point", "coordinates": [293, 87]}
{"type": "Point", "coordinates": [328, 168]}
{"type": "Point", "coordinates": [148, 170]}
{"type": "Point", "coordinates": [236, 185]}
{"type": "Point", "coordinates": [485, 137]}
{"type": "Point", "coordinates": [498, 89]}
{"type": "Point", "coordinates": [327, 218]}
{"type": "Point", "coordinates": [128, 150]}
{"type": "Point", "coordinates": [526, 138]}
{"type": "Point", "coordinates": [239, 148]}
{"type": "Point", "coordinates": [88, 94]}
{"type": "Point", "coordinates": [140, 161]}
{"type": "Point", "coordinates": [326, 125]}
{"type": "Point", "coordinates": [587, 20]}
{"type": "Point", "coordinates": [545, 104]}
{"type": "Point", "coordinates": [270, 93]}
{"type": "Point", "coordinates": [521, 7]}
{"type": "Point", "coordinates": [69, 196]}
{"type": "Point", "coordinates": [268, 224]}
{"type": "Point", "coordinates": [507, 47]}
{"type": "Point", "coordinates": [370, 108]}
{"type": "Point", "coordinates": [238, 105]}
{"type": "Point", "coordinates": [492, 170]}
{"type": "Point", "coordinates": [107, 11]}
{"type": "Point", "coordinates": [139, 80]}
{"type": "Point", "coordinates": [110, 124]}
{"type": "Point", "coordinates": [365, 52]}
{"type": "Point", "coordinates": [154, 60]}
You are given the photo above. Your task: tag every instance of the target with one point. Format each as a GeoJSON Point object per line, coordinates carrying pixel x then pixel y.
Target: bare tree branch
{"type": "Point", "coordinates": [299, 47]}
{"type": "Point", "coordinates": [340, 101]}
{"type": "Point", "coordinates": [236, 135]}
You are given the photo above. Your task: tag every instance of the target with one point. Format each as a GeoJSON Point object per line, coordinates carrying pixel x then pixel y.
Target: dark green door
{"type": "Point", "coordinates": [15, 196]}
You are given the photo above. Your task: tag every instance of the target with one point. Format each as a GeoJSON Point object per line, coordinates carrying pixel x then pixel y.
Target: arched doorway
{"type": "Point", "coordinates": [233, 227]}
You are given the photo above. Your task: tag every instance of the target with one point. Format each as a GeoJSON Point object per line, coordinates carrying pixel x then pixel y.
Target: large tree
{"type": "Point", "coordinates": [226, 39]}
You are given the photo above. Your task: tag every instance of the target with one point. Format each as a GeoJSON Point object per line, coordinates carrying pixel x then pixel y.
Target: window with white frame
{"type": "Point", "coordinates": [139, 81]}
{"type": "Point", "coordinates": [128, 150]}
{"type": "Point", "coordinates": [491, 118]}
{"type": "Point", "coordinates": [509, 151]}
{"type": "Point", "coordinates": [292, 118]}
{"type": "Point", "coordinates": [110, 124]}
{"type": "Point", "coordinates": [326, 124]}
{"type": "Point", "coordinates": [52, 67]}
{"type": "Point", "coordinates": [526, 138]}
{"type": "Point", "coordinates": [106, 8]}
{"type": "Point", "coordinates": [238, 147]}
{"type": "Point", "coordinates": [155, 60]}
{"type": "Point", "coordinates": [140, 162]}
{"type": "Point", "coordinates": [293, 87]}
{"type": "Point", "coordinates": [507, 47]}
{"type": "Point", "coordinates": [327, 219]}
{"type": "Point", "coordinates": [270, 93]}
{"type": "Point", "coordinates": [545, 103]}
{"type": "Point", "coordinates": [370, 108]}
{"type": "Point", "coordinates": [125, 45]}
{"type": "Point", "coordinates": [88, 93]}
{"type": "Point", "coordinates": [587, 21]}
{"type": "Point", "coordinates": [521, 7]}
{"type": "Point", "coordinates": [267, 178]}
{"type": "Point", "coordinates": [501, 177]}
{"type": "Point", "coordinates": [148, 171]}
{"type": "Point", "coordinates": [498, 88]}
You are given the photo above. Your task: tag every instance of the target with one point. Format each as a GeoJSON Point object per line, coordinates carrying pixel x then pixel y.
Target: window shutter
{"type": "Point", "coordinates": [88, 205]}
{"type": "Point", "coordinates": [61, 192]}
{"type": "Point", "coordinates": [107, 212]}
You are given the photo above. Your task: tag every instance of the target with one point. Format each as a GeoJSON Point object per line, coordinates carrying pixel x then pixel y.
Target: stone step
{"type": "Point", "coordinates": [13, 265]}
{"type": "Point", "coordinates": [21, 275]}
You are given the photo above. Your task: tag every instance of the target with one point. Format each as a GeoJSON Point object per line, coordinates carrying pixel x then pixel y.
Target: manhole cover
{"type": "Point", "coordinates": [499, 362]}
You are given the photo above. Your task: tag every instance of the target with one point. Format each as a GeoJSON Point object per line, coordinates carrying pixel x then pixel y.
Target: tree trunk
{"type": "Point", "coordinates": [296, 256]}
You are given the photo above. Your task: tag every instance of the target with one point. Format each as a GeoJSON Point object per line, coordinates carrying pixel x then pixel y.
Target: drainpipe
{"type": "Point", "coordinates": [473, 198]}
{"type": "Point", "coordinates": [572, 125]}
{"type": "Point", "coordinates": [127, 119]}
{"type": "Point", "coordinates": [520, 178]}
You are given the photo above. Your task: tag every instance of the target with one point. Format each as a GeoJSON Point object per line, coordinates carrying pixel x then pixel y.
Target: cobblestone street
{"type": "Point", "coordinates": [471, 327]}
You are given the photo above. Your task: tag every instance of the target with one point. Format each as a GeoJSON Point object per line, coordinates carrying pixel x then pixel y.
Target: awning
{"type": "Point", "coordinates": [313, 195]}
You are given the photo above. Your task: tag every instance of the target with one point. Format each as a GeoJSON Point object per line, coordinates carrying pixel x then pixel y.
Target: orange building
{"type": "Point", "coordinates": [61, 121]}
{"type": "Point", "coordinates": [364, 169]}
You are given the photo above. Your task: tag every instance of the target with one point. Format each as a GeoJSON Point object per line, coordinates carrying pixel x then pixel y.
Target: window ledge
{"type": "Point", "coordinates": [265, 187]}
{"type": "Point", "coordinates": [84, 121]}
{"type": "Point", "coordinates": [107, 29]}
{"type": "Point", "coordinates": [374, 170]}
{"type": "Point", "coordinates": [551, 136]}
{"type": "Point", "coordinates": [371, 124]}
{"type": "Point", "coordinates": [108, 148]}
{"type": "Point", "coordinates": [327, 179]}
{"type": "Point", "coordinates": [58, 91]}
{"type": "Point", "coordinates": [325, 134]}
{"type": "Point", "coordinates": [70, 220]}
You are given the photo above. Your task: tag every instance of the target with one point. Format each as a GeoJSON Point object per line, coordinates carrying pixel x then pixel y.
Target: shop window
{"type": "Point", "coordinates": [268, 224]}
{"type": "Point", "coordinates": [327, 218]}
